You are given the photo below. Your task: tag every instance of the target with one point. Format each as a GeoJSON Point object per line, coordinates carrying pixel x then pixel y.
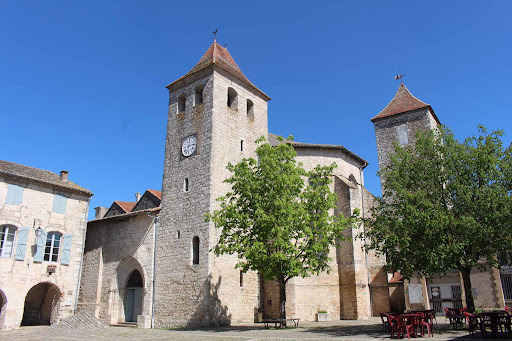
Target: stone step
{"type": "Point", "coordinates": [125, 324]}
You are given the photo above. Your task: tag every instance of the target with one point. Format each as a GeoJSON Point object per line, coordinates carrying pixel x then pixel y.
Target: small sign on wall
{"type": "Point", "coordinates": [415, 295]}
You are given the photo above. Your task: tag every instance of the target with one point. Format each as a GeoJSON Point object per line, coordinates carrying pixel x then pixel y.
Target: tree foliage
{"type": "Point", "coordinates": [277, 218]}
{"type": "Point", "coordinates": [446, 205]}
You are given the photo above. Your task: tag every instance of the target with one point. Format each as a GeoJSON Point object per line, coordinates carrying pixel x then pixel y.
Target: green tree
{"type": "Point", "coordinates": [277, 218]}
{"type": "Point", "coordinates": [445, 205]}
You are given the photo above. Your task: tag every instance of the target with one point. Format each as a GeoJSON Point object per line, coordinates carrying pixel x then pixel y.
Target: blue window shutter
{"type": "Point", "coordinates": [40, 244]}
{"type": "Point", "coordinates": [66, 249]}
{"type": "Point", "coordinates": [14, 195]}
{"type": "Point", "coordinates": [22, 243]}
{"type": "Point", "coordinates": [59, 204]}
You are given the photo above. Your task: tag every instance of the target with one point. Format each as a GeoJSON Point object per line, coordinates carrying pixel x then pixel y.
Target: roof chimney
{"type": "Point", "coordinates": [64, 175]}
{"type": "Point", "coordinates": [100, 212]}
{"type": "Point", "coordinates": [137, 196]}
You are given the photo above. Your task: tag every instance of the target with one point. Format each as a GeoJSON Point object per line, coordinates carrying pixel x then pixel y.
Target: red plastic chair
{"type": "Point", "coordinates": [393, 327]}
{"type": "Point", "coordinates": [471, 321]}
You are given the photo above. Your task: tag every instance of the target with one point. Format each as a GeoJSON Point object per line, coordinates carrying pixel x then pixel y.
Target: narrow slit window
{"type": "Point", "coordinates": [242, 145]}
{"type": "Point", "coordinates": [185, 185]}
{"type": "Point", "coordinates": [182, 103]}
{"type": "Point", "coordinates": [178, 234]}
{"type": "Point", "coordinates": [241, 279]}
{"type": "Point", "coordinates": [199, 94]}
{"type": "Point", "coordinates": [195, 250]}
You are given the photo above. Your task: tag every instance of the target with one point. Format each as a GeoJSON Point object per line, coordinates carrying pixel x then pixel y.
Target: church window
{"type": "Point", "coordinates": [402, 134]}
{"type": "Point", "coordinates": [7, 234]}
{"type": "Point", "coordinates": [181, 103]}
{"type": "Point", "coordinates": [195, 250]}
{"type": "Point", "coordinates": [51, 251]}
{"type": "Point", "coordinates": [250, 109]}
{"type": "Point", "coordinates": [185, 185]}
{"type": "Point", "coordinates": [241, 279]}
{"type": "Point", "coordinates": [232, 99]}
{"type": "Point", "coordinates": [198, 99]}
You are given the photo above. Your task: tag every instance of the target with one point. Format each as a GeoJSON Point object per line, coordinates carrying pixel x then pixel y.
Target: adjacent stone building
{"type": "Point", "coordinates": [398, 122]}
{"type": "Point", "coordinates": [42, 230]}
{"type": "Point", "coordinates": [215, 116]}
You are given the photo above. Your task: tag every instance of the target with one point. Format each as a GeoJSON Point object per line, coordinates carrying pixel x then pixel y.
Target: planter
{"type": "Point", "coordinates": [322, 317]}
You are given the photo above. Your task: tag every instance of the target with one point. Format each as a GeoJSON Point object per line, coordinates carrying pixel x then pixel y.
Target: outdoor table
{"type": "Point", "coordinates": [492, 320]}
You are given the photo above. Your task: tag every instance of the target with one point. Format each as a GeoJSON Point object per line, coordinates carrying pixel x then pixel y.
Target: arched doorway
{"type": "Point", "coordinates": [41, 305]}
{"type": "Point", "coordinates": [133, 304]}
{"type": "Point", "coordinates": [3, 308]}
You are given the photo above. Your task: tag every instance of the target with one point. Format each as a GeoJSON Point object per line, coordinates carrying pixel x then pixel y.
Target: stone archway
{"type": "Point", "coordinates": [3, 308]}
{"type": "Point", "coordinates": [133, 300]}
{"type": "Point", "coordinates": [128, 292]}
{"type": "Point", "coordinates": [42, 305]}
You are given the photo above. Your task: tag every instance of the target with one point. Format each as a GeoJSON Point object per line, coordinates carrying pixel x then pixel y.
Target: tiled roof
{"type": "Point", "coordinates": [39, 175]}
{"type": "Point", "coordinates": [403, 102]}
{"type": "Point", "coordinates": [157, 194]}
{"type": "Point", "coordinates": [273, 141]}
{"type": "Point", "coordinates": [219, 56]}
{"type": "Point", "coordinates": [126, 215]}
{"type": "Point", "coordinates": [397, 278]}
{"type": "Point", "coordinates": [126, 205]}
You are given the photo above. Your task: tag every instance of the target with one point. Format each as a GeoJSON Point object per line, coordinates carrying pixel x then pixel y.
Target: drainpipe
{"type": "Point", "coordinates": [155, 244]}
{"type": "Point", "coordinates": [364, 234]}
{"type": "Point", "coordinates": [81, 256]}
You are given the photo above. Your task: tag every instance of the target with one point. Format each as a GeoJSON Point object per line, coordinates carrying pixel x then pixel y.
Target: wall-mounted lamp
{"type": "Point", "coordinates": [38, 230]}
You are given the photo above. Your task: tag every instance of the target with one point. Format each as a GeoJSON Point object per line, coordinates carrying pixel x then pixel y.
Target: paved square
{"type": "Point", "coordinates": [336, 330]}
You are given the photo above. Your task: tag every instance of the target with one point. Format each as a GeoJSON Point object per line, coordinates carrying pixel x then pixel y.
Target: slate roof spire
{"type": "Point", "coordinates": [403, 102]}
{"type": "Point", "coordinates": [218, 56]}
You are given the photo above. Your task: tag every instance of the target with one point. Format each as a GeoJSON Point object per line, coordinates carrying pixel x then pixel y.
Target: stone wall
{"type": "Point", "coordinates": [114, 248]}
{"type": "Point", "coordinates": [18, 277]}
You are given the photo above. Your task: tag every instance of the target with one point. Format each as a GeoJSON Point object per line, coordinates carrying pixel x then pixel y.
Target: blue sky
{"type": "Point", "coordinates": [82, 84]}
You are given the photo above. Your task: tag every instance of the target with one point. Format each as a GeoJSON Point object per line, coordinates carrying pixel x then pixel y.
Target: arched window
{"type": "Point", "coordinates": [181, 103]}
{"type": "Point", "coordinates": [199, 94]}
{"type": "Point", "coordinates": [232, 99]}
{"type": "Point", "coordinates": [51, 251]}
{"type": "Point", "coordinates": [195, 250]}
{"type": "Point", "coordinates": [7, 234]}
{"type": "Point", "coordinates": [250, 109]}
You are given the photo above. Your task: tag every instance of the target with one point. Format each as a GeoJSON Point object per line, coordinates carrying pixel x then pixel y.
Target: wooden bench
{"type": "Point", "coordinates": [280, 322]}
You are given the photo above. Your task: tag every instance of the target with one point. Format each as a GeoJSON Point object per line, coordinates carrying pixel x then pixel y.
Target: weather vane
{"type": "Point", "coordinates": [215, 34]}
{"type": "Point", "coordinates": [400, 77]}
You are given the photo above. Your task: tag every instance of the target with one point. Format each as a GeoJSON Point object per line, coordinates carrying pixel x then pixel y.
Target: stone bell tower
{"type": "Point", "coordinates": [215, 115]}
{"type": "Point", "coordinates": [399, 121]}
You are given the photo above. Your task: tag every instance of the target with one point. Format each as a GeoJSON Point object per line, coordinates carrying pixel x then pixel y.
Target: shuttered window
{"type": "Point", "coordinates": [65, 256]}
{"type": "Point", "coordinates": [59, 204]}
{"type": "Point", "coordinates": [52, 247]}
{"type": "Point", "coordinates": [14, 195]}
{"type": "Point", "coordinates": [7, 234]}
{"type": "Point", "coordinates": [21, 248]}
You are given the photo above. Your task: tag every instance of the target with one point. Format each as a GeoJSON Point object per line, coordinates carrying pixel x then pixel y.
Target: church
{"type": "Point", "coordinates": [149, 262]}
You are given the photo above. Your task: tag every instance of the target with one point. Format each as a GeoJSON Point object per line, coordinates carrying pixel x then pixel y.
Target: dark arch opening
{"type": "Point", "coordinates": [199, 94]}
{"type": "Point", "coordinates": [41, 305]}
{"type": "Point", "coordinates": [195, 250]}
{"type": "Point", "coordinates": [135, 280]}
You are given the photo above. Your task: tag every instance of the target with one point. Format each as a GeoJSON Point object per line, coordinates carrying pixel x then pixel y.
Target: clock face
{"type": "Point", "coordinates": [188, 146]}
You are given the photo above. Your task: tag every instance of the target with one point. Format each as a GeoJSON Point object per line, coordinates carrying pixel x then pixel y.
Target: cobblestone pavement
{"type": "Point", "coordinates": [344, 330]}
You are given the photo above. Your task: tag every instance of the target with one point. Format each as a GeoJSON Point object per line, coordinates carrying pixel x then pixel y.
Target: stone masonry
{"type": "Point", "coordinates": [42, 291]}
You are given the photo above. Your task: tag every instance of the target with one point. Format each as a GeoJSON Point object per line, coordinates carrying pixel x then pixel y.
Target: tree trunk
{"type": "Point", "coordinates": [282, 299]}
{"type": "Point", "coordinates": [466, 279]}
